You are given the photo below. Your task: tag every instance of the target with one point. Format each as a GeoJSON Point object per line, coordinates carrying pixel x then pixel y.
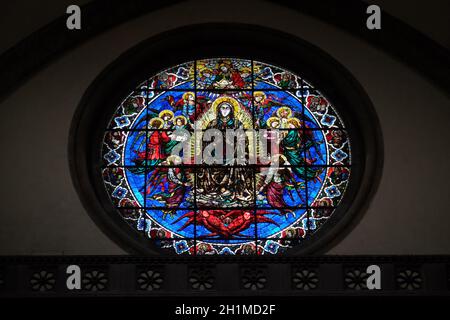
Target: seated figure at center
{"type": "Point", "coordinates": [226, 184]}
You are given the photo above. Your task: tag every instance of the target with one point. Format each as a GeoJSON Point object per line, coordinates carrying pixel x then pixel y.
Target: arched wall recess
{"type": "Point", "coordinates": [242, 42]}
{"type": "Point", "coordinates": [396, 38]}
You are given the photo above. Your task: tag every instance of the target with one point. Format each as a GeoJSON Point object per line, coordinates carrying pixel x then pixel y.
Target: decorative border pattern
{"type": "Point", "coordinates": [144, 276]}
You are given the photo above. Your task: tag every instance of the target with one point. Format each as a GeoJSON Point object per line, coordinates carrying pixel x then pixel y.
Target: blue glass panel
{"type": "Point", "coordinates": [172, 202]}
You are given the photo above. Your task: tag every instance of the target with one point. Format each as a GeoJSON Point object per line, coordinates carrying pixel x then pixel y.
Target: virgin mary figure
{"type": "Point", "coordinates": [226, 184]}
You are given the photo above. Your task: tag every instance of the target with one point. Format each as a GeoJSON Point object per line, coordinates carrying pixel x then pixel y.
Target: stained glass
{"type": "Point", "coordinates": [177, 177]}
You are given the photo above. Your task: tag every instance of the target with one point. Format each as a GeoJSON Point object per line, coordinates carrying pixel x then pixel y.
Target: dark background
{"type": "Point", "coordinates": [41, 213]}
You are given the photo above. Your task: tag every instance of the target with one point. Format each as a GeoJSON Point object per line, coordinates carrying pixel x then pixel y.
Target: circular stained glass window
{"type": "Point", "coordinates": [226, 156]}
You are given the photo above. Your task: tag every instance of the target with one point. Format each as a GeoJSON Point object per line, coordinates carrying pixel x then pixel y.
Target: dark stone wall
{"type": "Point", "coordinates": [41, 211]}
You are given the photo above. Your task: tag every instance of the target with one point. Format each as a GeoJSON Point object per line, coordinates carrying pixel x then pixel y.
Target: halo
{"type": "Point", "coordinates": [186, 94]}
{"type": "Point", "coordinates": [229, 100]}
{"type": "Point", "coordinates": [180, 117]}
{"type": "Point", "coordinates": [296, 122]}
{"type": "Point", "coordinates": [171, 159]}
{"type": "Point", "coordinates": [273, 119]}
{"type": "Point", "coordinates": [156, 119]}
{"type": "Point", "coordinates": [259, 93]}
{"type": "Point", "coordinates": [164, 112]}
{"type": "Point", "coordinates": [282, 109]}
